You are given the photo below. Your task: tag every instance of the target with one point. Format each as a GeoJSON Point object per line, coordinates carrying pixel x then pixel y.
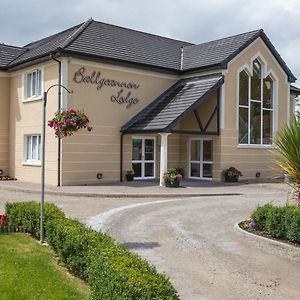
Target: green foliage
{"type": "Point", "coordinates": [27, 214]}
{"type": "Point", "coordinates": [279, 222]}
{"type": "Point", "coordinates": [287, 148]}
{"type": "Point", "coordinates": [111, 270]}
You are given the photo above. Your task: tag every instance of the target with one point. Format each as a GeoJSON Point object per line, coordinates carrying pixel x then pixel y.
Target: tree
{"type": "Point", "coordinates": [287, 147]}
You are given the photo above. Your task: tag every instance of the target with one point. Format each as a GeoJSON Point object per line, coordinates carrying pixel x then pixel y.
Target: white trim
{"type": "Point", "coordinates": [201, 161]}
{"type": "Point", "coordinates": [32, 163]}
{"type": "Point", "coordinates": [130, 70]}
{"type": "Point", "coordinates": [265, 73]}
{"type": "Point", "coordinates": [24, 85]}
{"type": "Point", "coordinates": [289, 104]}
{"type": "Point", "coordinates": [27, 161]}
{"type": "Point", "coordinates": [251, 146]}
{"type": "Point", "coordinates": [203, 73]}
{"type": "Point", "coordinates": [143, 161]}
{"type": "Point", "coordinates": [222, 106]}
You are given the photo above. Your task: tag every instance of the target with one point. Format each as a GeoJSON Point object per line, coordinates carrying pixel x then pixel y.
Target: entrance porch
{"type": "Point", "coordinates": [180, 129]}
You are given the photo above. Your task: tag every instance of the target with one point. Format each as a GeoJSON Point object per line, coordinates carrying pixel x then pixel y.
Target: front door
{"type": "Point", "coordinates": [143, 157]}
{"type": "Point", "coordinates": [201, 159]}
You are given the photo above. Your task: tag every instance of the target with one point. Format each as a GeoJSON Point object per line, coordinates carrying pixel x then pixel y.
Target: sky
{"type": "Point", "coordinates": [194, 21]}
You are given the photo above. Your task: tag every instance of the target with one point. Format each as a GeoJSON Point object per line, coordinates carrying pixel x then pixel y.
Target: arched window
{"type": "Point", "coordinates": [255, 107]}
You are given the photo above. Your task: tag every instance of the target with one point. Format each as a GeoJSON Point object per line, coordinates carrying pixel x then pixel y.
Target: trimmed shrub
{"type": "Point", "coordinates": [112, 271]}
{"type": "Point", "coordinates": [279, 222]}
{"type": "Point", "coordinates": [27, 215]}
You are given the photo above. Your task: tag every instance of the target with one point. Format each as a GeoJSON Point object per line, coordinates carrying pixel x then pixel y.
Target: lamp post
{"type": "Point", "coordinates": [43, 158]}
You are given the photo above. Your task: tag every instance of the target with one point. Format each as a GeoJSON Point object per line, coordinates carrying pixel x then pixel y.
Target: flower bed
{"type": "Point", "coordinates": [111, 270]}
{"type": "Point", "coordinates": [277, 222]}
{"type": "Point", "coordinates": [6, 178]}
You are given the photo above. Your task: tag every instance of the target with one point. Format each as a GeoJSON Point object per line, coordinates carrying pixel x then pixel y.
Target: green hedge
{"type": "Point", "coordinates": [280, 222]}
{"type": "Point", "coordinates": [111, 270]}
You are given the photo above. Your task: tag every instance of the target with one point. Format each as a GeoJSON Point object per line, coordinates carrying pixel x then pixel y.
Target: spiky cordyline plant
{"type": "Point", "coordinates": [287, 147]}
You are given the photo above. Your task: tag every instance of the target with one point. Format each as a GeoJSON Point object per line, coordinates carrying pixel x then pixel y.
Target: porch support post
{"type": "Point", "coordinates": [163, 156]}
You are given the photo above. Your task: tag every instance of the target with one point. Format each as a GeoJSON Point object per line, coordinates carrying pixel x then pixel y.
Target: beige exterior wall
{"type": "Point", "coordinates": [4, 122]}
{"type": "Point", "coordinates": [250, 159]}
{"type": "Point", "coordinates": [87, 153]}
{"type": "Point", "coordinates": [26, 119]}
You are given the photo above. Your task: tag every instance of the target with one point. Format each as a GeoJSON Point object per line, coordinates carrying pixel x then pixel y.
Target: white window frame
{"type": "Point", "coordinates": [30, 160]}
{"type": "Point", "coordinates": [201, 161]}
{"type": "Point", "coordinates": [265, 74]}
{"type": "Point", "coordinates": [143, 161]}
{"type": "Point", "coordinates": [40, 79]}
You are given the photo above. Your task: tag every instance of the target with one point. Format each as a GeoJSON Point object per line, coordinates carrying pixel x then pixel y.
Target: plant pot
{"type": "Point", "coordinates": [231, 178]}
{"type": "Point", "coordinates": [175, 184]}
{"type": "Point", "coordinates": [129, 177]}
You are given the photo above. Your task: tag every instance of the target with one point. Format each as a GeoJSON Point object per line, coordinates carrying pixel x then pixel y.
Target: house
{"type": "Point", "coordinates": [153, 102]}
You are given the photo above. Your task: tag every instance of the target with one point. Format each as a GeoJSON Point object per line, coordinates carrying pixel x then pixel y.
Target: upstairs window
{"type": "Point", "coordinates": [33, 84]}
{"type": "Point", "coordinates": [255, 107]}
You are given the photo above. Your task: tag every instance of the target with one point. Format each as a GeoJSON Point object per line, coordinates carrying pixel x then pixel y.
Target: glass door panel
{"type": "Point", "coordinates": [143, 157]}
{"type": "Point", "coordinates": [201, 159]}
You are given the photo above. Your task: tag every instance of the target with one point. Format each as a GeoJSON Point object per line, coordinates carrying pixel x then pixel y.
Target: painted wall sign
{"type": "Point", "coordinates": [96, 78]}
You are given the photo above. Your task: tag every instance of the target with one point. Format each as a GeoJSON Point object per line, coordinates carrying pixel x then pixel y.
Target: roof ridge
{"type": "Point", "coordinates": [226, 37]}
{"type": "Point", "coordinates": [11, 46]}
{"type": "Point", "coordinates": [75, 34]}
{"type": "Point", "coordinates": [144, 32]}
{"type": "Point", "coordinates": [50, 37]}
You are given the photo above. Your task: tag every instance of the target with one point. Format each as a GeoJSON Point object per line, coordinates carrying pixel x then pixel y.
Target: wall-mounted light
{"type": "Point", "coordinates": [257, 175]}
{"type": "Point", "coordinates": [99, 175]}
{"type": "Point", "coordinates": [1, 172]}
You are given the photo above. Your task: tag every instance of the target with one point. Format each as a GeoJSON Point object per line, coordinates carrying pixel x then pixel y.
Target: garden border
{"type": "Point", "coordinates": [256, 236]}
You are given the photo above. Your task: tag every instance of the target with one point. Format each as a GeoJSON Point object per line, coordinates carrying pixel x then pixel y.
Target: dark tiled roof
{"type": "Point", "coordinates": [167, 110]}
{"type": "Point", "coordinates": [294, 90]}
{"type": "Point", "coordinates": [8, 54]}
{"type": "Point", "coordinates": [114, 42]}
{"type": "Point", "coordinates": [110, 42]}
{"type": "Point", "coordinates": [215, 52]}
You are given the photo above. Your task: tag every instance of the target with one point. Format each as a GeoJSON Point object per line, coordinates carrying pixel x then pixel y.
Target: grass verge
{"type": "Point", "coordinates": [30, 271]}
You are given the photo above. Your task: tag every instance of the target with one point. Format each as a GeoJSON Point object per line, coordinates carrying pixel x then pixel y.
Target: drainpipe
{"type": "Point", "coordinates": [59, 107]}
{"type": "Point", "coordinates": [121, 156]}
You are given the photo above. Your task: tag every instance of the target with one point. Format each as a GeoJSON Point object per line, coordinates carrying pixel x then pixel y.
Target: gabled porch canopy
{"type": "Point", "coordinates": [169, 109]}
{"type": "Point", "coordinates": [163, 114]}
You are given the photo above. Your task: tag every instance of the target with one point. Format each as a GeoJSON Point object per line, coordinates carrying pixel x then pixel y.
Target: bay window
{"type": "Point", "coordinates": [255, 107]}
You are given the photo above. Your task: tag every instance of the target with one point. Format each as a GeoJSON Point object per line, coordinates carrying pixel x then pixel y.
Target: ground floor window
{"type": "Point", "coordinates": [33, 147]}
{"type": "Point", "coordinates": [201, 159]}
{"type": "Point", "coordinates": [143, 157]}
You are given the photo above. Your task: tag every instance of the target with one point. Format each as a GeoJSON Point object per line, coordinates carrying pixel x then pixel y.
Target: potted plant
{"type": "Point", "coordinates": [172, 178]}
{"type": "Point", "coordinates": [66, 122]}
{"type": "Point", "coordinates": [232, 174]}
{"type": "Point", "coordinates": [129, 175]}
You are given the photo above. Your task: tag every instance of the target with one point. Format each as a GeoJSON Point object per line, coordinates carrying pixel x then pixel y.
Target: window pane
{"type": "Point", "coordinates": [243, 125]}
{"type": "Point", "coordinates": [255, 123]}
{"type": "Point", "coordinates": [268, 92]}
{"type": "Point", "coordinates": [195, 150]}
{"type": "Point", "coordinates": [256, 81]}
{"type": "Point", "coordinates": [39, 83]}
{"type": "Point", "coordinates": [33, 93]}
{"type": "Point", "coordinates": [149, 169]}
{"type": "Point", "coordinates": [39, 147]}
{"type": "Point", "coordinates": [207, 170]}
{"type": "Point", "coordinates": [195, 170]}
{"type": "Point", "coordinates": [136, 149]}
{"type": "Point", "coordinates": [149, 149]}
{"type": "Point", "coordinates": [137, 168]}
{"type": "Point", "coordinates": [243, 88]}
{"type": "Point", "coordinates": [28, 142]}
{"type": "Point", "coordinates": [207, 150]}
{"type": "Point", "coordinates": [34, 147]}
{"type": "Point", "coordinates": [28, 85]}
{"type": "Point", "coordinates": [267, 126]}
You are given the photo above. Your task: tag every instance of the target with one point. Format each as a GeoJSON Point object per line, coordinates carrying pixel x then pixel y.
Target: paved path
{"type": "Point", "coordinates": [194, 242]}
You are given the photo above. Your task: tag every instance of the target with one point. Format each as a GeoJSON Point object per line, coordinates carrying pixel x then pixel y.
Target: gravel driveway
{"type": "Point", "coordinates": [194, 242]}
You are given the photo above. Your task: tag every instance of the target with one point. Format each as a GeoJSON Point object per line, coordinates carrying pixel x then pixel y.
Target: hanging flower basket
{"type": "Point", "coordinates": [66, 122]}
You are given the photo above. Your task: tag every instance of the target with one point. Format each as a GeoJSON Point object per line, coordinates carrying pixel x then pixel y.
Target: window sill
{"type": "Point", "coordinates": [32, 99]}
{"type": "Point", "coordinates": [32, 163]}
{"type": "Point", "coordinates": [250, 146]}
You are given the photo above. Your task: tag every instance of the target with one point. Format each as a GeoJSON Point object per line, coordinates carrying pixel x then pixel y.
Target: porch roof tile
{"type": "Point", "coordinates": [163, 114]}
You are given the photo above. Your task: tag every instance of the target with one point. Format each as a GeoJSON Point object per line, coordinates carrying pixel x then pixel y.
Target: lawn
{"type": "Point", "coordinates": [30, 271]}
